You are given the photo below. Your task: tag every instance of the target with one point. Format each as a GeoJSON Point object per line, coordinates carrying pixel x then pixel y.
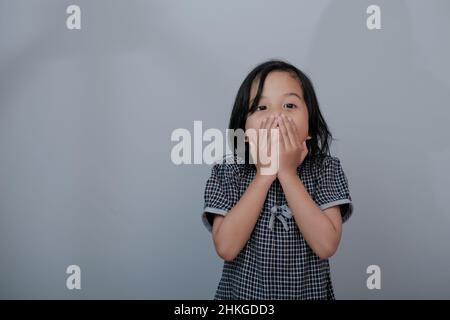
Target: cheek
{"type": "Point", "coordinates": [253, 122]}
{"type": "Point", "coordinates": [301, 123]}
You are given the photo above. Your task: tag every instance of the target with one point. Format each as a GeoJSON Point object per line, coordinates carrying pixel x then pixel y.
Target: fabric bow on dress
{"type": "Point", "coordinates": [284, 212]}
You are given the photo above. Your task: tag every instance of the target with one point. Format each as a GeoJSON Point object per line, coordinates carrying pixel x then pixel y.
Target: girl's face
{"type": "Point", "coordinates": [282, 94]}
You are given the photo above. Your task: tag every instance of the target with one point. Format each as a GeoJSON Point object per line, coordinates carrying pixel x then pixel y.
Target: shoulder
{"type": "Point", "coordinates": [331, 171]}
{"type": "Point", "coordinates": [228, 168]}
{"type": "Point", "coordinates": [324, 163]}
{"type": "Point", "coordinates": [324, 167]}
{"type": "Point", "coordinates": [330, 162]}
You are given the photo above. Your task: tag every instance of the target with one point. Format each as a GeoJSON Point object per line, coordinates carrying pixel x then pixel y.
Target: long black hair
{"type": "Point", "coordinates": [321, 137]}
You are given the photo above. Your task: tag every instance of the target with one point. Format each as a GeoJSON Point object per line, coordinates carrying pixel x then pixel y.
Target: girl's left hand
{"type": "Point", "coordinates": [292, 151]}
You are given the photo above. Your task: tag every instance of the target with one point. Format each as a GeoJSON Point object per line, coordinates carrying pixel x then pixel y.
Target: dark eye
{"type": "Point", "coordinates": [260, 108]}
{"type": "Point", "coordinates": [290, 106]}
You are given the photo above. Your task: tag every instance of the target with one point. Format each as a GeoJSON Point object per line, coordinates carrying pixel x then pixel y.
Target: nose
{"type": "Point", "coordinates": [276, 113]}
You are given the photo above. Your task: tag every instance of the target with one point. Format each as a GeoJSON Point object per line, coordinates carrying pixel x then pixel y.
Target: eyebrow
{"type": "Point", "coordinates": [286, 94]}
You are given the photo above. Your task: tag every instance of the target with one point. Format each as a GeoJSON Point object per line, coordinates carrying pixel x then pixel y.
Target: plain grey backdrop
{"type": "Point", "coordinates": [86, 118]}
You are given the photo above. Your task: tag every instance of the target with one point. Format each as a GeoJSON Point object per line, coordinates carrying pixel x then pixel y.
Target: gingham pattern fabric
{"type": "Point", "coordinates": [276, 263]}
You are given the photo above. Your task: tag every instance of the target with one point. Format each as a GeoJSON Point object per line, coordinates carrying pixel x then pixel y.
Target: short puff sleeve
{"type": "Point", "coordinates": [221, 193]}
{"type": "Point", "coordinates": [332, 188]}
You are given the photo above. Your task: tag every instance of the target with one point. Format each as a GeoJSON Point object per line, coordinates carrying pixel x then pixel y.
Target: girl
{"type": "Point", "coordinates": [276, 231]}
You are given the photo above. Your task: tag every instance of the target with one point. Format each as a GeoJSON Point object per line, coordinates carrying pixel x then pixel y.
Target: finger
{"type": "Point", "coordinates": [264, 132]}
{"type": "Point", "coordinates": [260, 131]}
{"type": "Point", "coordinates": [296, 133]}
{"type": "Point", "coordinates": [304, 145]}
{"type": "Point", "coordinates": [269, 124]}
{"type": "Point", "coordinates": [286, 138]}
{"type": "Point", "coordinates": [292, 137]}
{"type": "Point", "coordinates": [263, 123]}
{"type": "Point", "coordinates": [280, 136]}
{"type": "Point", "coordinates": [284, 133]}
{"type": "Point", "coordinates": [261, 126]}
{"type": "Point", "coordinates": [252, 140]}
{"type": "Point", "coordinates": [278, 124]}
{"type": "Point", "coordinates": [273, 130]}
{"type": "Point", "coordinates": [253, 152]}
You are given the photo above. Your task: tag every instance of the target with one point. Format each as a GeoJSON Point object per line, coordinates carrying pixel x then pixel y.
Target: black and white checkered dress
{"type": "Point", "coordinates": [276, 262]}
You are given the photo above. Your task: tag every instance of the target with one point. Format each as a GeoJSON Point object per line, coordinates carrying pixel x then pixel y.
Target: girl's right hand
{"type": "Point", "coordinates": [261, 150]}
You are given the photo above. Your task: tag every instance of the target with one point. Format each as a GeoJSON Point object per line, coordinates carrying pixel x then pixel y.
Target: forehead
{"type": "Point", "coordinates": [277, 83]}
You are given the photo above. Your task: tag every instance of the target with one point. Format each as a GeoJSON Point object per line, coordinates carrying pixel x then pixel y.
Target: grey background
{"type": "Point", "coordinates": [86, 117]}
